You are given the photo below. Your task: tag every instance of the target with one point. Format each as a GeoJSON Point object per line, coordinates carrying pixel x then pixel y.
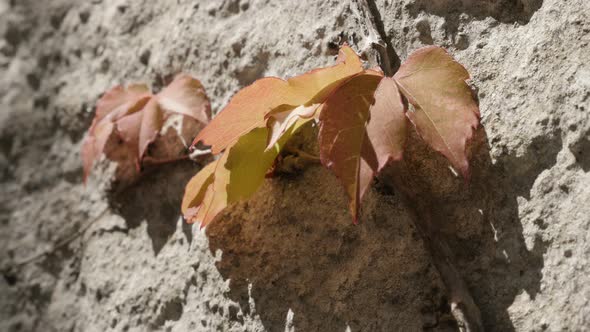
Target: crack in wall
{"type": "Point", "coordinates": [393, 57]}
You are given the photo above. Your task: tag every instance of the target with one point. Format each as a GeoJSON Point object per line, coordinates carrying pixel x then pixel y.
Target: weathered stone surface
{"type": "Point", "coordinates": [290, 257]}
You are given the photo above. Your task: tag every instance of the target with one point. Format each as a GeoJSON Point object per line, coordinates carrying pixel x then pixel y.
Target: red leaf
{"type": "Point", "coordinates": [387, 129]}
{"type": "Point", "coordinates": [128, 128]}
{"type": "Point", "coordinates": [446, 114]}
{"type": "Point", "coordinates": [114, 105]}
{"type": "Point", "coordinates": [151, 123]}
{"type": "Point", "coordinates": [343, 134]}
{"type": "Point", "coordinates": [120, 100]}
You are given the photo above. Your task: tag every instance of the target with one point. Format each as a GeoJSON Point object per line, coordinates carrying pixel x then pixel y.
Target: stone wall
{"type": "Point", "coordinates": [290, 258]}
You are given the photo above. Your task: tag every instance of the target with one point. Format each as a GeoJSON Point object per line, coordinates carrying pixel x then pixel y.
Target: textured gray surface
{"type": "Point", "coordinates": [290, 257]}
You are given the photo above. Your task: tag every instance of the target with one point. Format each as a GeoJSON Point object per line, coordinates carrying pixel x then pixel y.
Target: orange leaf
{"type": "Point", "coordinates": [248, 109]}
{"type": "Point", "coordinates": [363, 125]}
{"type": "Point", "coordinates": [236, 175]}
{"type": "Point", "coordinates": [215, 196]}
{"type": "Point", "coordinates": [206, 193]}
{"type": "Point", "coordinates": [196, 190]}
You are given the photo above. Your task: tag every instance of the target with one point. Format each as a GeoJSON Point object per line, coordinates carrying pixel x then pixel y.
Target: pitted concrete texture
{"type": "Point", "coordinates": [290, 257]}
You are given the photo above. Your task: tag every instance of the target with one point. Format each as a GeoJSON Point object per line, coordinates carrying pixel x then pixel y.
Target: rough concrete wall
{"type": "Point", "coordinates": [290, 257]}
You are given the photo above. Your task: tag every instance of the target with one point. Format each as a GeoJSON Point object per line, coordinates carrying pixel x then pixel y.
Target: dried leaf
{"type": "Point", "coordinates": [186, 95]}
{"type": "Point", "coordinates": [113, 106]}
{"type": "Point", "coordinates": [137, 117]}
{"type": "Point", "coordinates": [445, 113]}
{"type": "Point", "coordinates": [120, 100]}
{"type": "Point", "coordinates": [151, 123]}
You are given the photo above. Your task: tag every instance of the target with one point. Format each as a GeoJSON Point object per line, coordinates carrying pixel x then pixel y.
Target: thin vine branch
{"type": "Point", "coordinates": [463, 308]}
{"type": "Point", "coordinates": [68, 239]}
{"type": "Point", "coordinates": [152, 161]}
{"type": "Point", "coordinates": [380, 52]}
{"type": "Point", "coordinates": [378, 49]}
{"type": "Point", "coordinates": [302, 154]}
{"type": "Point", "coordinates": [61, 243]}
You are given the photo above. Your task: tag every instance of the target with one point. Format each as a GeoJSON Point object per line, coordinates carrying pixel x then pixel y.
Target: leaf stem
{"type": "Point", "coordinates": [151, 161]}
{"type": "Point", "coordinates": [378, 49]}
{"type": "Point", "coordinates": [305, 155]}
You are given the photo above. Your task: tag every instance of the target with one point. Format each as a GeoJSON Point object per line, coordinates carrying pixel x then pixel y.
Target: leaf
{"type": "Point", "coordinates": [248, 109]}
{"type": "Point", "coordinates": [137, 117]}
{"type": "Point", "coordinates": [343, 134]}
{"type": "Point", "coordinates": [128, 128]}
{"type": "Point", "coordinates": [446, 114]}
{"type": "Point", "coordinates": [196, 187]}
{"type": "Point", "coordinates": [235, 176]}
{"type": "Point", "coordinates": [151, 123]}
{"type": "Point", "coordinates": [387, 129]}
{"type": "Point", "coordinates": [363, 125]}
{"type": "Point", "coordinates": [110, 108]}
{"type": "Point", "coordinates": [214, 197]}
{"type": "Point", "coordinates": [281, 122]}
{"type": "Point", "coordinates": [186, 95]}
{"type": "Point", "coordinates": [199, 190]}
{"type": "Point", "coordinates": [249, 160]}
{"type": "Point", "coordinates": [120, 100]}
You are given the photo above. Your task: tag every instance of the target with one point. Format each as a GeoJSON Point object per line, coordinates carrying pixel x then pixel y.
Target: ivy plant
{"type": "Point", "coordinates": [364, 118]}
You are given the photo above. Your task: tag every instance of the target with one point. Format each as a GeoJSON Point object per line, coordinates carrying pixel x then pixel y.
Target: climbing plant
{"type": "Point", "coordinates": [363, 117]}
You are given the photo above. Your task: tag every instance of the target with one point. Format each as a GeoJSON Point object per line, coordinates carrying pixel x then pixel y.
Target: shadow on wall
{"type": "Point", "coordinates": [155, 198]}
{"type": "Point", "coordinates": [505, 11]}
{"type": "Point", "coordinates": [453, 11]}
{"type": "Point", "coordinates": [481, 222]}
{"type": "Point", "coordinates": [295, 243]}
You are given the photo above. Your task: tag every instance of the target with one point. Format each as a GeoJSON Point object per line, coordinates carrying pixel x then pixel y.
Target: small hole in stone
{"type": "Point", "coordinates": [10, 279]}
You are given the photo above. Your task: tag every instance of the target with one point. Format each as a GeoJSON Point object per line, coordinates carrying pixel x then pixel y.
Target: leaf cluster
{"type": "Point", "coordinates": [130, 119]}
{"type": "Point", "coordinates": [364, 119]}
